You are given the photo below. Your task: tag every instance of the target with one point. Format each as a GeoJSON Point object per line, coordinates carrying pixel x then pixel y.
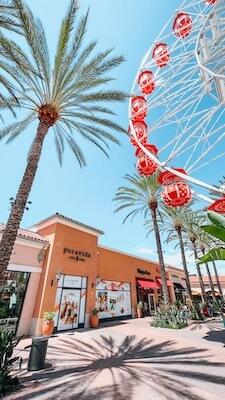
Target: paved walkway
{"type": "Point", "coordinates": [130, 360]}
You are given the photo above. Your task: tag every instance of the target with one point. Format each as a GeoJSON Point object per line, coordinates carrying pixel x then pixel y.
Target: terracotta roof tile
{"type": "Point", "coordinates": [70, 220]}
{"type": "Point", "coordinates": [26, 234]}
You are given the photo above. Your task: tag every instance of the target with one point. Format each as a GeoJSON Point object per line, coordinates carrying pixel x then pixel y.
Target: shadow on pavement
{"type": "Point", "coordinates": [216, 336]}
{"type": "Point", "coordinates": [105, 369]}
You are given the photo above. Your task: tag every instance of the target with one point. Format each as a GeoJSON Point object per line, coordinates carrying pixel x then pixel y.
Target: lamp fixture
{"type": "Point", "coordinates": [58, 276]}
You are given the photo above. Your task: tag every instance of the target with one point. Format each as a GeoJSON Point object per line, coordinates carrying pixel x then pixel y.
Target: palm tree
{"type": "Point", "coordinates": [173, 221]}
{"type": "Point", "coordinates": [66, 97]}
{"type": "Point", "coordinates": [217, 278]}
{"type": "Point", "coordinates": [203, 240]}
{"type": "Point", "coordinates": [142, 196]}
{"type": "Point", "coordinates": [192, 222]}
{"type": "Point", "coordinates": [220, 185]}
{"type": "Point", "coordinates": [202, 244]}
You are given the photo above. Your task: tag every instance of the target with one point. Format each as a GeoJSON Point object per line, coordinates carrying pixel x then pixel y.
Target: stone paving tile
{"type": "Point", "coordinates": [132, 361]}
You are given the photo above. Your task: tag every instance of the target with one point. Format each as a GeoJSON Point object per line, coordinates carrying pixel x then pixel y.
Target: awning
{"type": "Point", "coordinates": [179, 286]}
{"type": "Point", "coordinates": [169, 283]}
{"type": "Point", "coordinates": [196, 292]}
{"type": "Point", "coordinates": [148, 284]}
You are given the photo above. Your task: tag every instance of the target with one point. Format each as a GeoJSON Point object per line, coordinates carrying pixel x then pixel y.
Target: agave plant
{"type": "Point", "coordinates": [67, 97]}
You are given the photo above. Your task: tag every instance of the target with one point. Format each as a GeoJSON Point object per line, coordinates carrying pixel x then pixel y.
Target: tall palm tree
{"type": "Point", "coordinates": [66, 97]}
{"type": "Point", "coordinates": [173, 222]}
{"type": "Point", "coordinates": [192, 222]}
{"type": "Point", "coordinates": [203, 241]}
{"type": "Point", "coordinates": [217, 278]}
{"type": "Point", "coordinates": [142, 196]}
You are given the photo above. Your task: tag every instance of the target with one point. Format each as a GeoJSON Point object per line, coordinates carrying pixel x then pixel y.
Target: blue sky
{"type": "Point", "coordinates": [86, 195]}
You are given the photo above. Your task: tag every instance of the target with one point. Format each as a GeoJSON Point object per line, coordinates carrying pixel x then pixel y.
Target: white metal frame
{"type": "Point", "coordinates": [195, 71]}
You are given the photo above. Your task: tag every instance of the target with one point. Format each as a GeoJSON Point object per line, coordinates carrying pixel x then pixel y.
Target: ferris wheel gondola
{"type": "Point", "coordinates": [181, 84]}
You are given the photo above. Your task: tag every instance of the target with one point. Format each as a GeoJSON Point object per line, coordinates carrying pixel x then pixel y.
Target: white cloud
{"type": "Point", "coordinates": [145, 251]}
{"type": "Point", "coordinates": [173, 258]}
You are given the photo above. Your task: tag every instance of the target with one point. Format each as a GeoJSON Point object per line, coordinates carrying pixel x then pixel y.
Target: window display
{"type": "Point", "coordinates": [70, 302]}
{"type": "Point", "coordinates": [113, 299]}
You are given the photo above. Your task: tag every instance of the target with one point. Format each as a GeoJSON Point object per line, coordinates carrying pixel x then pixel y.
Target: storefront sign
{"type": "Point", "coordinates": [143, 272]}
{"type": "Point", "coordinates": [76, 255]}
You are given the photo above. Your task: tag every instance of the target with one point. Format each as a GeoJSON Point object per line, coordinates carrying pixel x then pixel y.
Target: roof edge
{"type": "Point", "coordinates": [67, 219]}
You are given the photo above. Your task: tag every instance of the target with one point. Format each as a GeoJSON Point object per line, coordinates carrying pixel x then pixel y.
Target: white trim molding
{"type": "Point", "coordinates": [24, 268]}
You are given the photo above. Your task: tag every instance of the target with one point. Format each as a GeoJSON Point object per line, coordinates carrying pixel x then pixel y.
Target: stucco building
{"type": "Point", "coordinates": [67, 270]}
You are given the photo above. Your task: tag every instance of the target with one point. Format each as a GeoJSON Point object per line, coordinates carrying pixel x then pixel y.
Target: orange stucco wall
{"type": "Point", "coordinates": [120, 267]}
{"type": "Point", "coordinates": [26, 255]}
{"type": "Point", "coordinates": [62, 236]}
{"type": "Point", "coordinates": [104, 263]}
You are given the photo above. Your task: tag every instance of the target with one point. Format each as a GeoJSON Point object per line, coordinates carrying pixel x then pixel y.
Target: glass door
{"type": "Point", "coordinates": [151, 302]}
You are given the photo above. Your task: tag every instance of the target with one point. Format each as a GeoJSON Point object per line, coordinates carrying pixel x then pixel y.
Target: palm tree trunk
{"type": "Point", "coordinates": [204, 295]}
{"type": "Point", "coordinates": [217, 278]}
{"type": "Point", "coordinates": [166, 298]}
{"type": "Point", "coordinates": [19, 205]}
{"type": "Point", "coordinates": [184, 262]}
{"type": "Point", "coordinates": [210, 281]}
{"type": "Point", "coordinates": [209, 277]}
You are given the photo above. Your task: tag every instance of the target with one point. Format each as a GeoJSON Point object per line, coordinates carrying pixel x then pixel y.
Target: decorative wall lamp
{"type": "Point", "coordinates": [98, 280]}
{"type": "Point", "coordinates": [58, 276]}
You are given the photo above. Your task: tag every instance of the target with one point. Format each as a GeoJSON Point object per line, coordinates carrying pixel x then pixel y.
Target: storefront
{"type": "Point", "coordinates": [148, 292]}
{"type": "Point", "coordinates": [76, 274]}
{"type": "Point", "coordinates": [177, 278]}
{"type": "Point", "coordinates": [19, 286]}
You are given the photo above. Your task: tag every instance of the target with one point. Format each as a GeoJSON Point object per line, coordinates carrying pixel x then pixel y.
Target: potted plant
{"type": "Point", "coordinates": [48, 323]}
{"type": "Point", "coordinates": [140, 309]}
{"type": "Point", "coordinates": [94, 319]}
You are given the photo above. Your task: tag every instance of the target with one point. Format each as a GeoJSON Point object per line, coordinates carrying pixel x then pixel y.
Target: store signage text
{"type": "Point", "coordinates": [76, 255]}
{"type": "Point", "coordinates": [143, 272]}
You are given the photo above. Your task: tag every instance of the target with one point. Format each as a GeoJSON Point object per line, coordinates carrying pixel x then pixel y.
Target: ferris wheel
{"type": "Point", "coordinates": [177, 108]}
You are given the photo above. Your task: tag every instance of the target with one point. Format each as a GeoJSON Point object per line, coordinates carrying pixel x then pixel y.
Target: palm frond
{"type": "Point", "coordinates": [76, 86]}
{"type": "Point", "coordinates": [15, 129]}
{"type": "Point", "coordinates": [64, 38]}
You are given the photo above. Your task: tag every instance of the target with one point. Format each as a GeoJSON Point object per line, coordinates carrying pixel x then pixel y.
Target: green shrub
{"type": "Point", "coordinates": [217, 306]}
{"type": "Point", "coordinates": [49, 316]}
{"type": "Point", "coordinates": [194, 312]}
{"type": "Point", "coordinates": [7, 383]}
{"type": "Point", "coordinates": [170, 317]}
{"type": "Point", "coordinates": [3, 312]}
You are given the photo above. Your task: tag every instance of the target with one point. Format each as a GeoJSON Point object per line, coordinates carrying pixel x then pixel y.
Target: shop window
{"type": "Point", "coordinates": [12, 293]}
{"type": "Point", "coordinates": [113, 299]}
{"type": "Point", "coordinates": [70, 302]}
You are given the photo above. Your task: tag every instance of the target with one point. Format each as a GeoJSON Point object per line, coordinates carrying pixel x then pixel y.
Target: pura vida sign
{"type": "Point", "coordinates": [76, 255]}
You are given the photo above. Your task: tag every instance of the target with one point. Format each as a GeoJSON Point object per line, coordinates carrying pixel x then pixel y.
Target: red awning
{"type": "Point", "coordinates": [169, 283]}
{"type": "Point", "coordinates": [148, 284]}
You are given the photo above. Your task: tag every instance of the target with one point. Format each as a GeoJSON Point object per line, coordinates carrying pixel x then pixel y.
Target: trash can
{"type": "Point", "coordinates": [38, 353]}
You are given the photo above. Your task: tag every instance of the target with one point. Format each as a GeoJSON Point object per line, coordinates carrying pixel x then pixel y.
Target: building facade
{"type": "Point", "coordinates": [71, 273]}
{"type": "Point", "coordinates": [195, 286]}
{"type": "Point", "coordinates": [20, 283]}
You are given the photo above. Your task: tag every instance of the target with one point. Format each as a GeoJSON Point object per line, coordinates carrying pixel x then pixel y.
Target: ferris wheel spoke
{"type": "Point", "coordinates": [187, 98]}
